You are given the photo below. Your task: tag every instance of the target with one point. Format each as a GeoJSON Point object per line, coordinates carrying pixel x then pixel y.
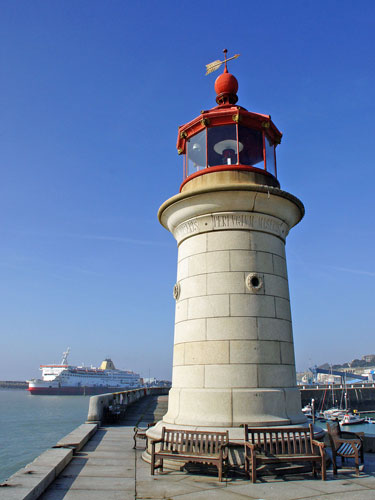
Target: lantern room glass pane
{"type": "Point", "coordinates": [196, 152]}
{"type": "Point", "coordinates": [250, 143]}
{"type": "Point", "coordinates": [270, 156]}
{"type": "Point", "coordinates": [222, 145]}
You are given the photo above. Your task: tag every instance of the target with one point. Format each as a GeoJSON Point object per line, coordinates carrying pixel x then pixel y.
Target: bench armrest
{"type": "Point", "coordinates": [350, 441]}
{"type": "Point", "coordinates": [352, 435]}
{"type": "Point", "coordinates": [155, 441]}
{"type": "Point", "coordinates": [223, 450]}
{"type": "Point", "coordinates": [252, 446]}
{"type": "Point", "coordinates": [318, 443]}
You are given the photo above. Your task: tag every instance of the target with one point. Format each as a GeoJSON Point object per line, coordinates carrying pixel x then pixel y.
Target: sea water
{"type": "Point", "coordinates": [31, 424]}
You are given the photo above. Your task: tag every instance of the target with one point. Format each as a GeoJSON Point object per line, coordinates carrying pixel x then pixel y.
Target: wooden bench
{"type": "Point", "coordinates": [282, 444]}
{"type": "Point", "coordinates": [140, 433]}
{"type": "Point", "coordinates": [345, 445]}
{"type": "Point", "coordinates": [190, 446]}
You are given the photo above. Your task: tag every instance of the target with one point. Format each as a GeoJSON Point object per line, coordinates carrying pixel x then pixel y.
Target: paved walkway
{"type": "Point", "coordinates": [108, 468]}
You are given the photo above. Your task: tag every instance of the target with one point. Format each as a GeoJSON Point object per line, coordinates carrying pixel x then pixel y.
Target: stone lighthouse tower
{"type": "Point", "coordinates": [233, 360]}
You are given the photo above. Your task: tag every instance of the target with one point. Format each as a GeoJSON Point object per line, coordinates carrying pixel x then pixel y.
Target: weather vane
{"type": "Point", "coordinates": [213, 66]}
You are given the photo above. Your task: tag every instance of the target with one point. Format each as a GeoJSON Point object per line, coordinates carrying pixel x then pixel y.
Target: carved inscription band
{"type": "Point", "coordinates": [231, 220]}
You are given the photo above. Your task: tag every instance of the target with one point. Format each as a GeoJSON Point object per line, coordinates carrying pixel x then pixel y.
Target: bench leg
{"type": "Point", "coordinates": [323, 471]}
{"type": "Point", "coordinates": [314, 468]}
{"type": "Point", "coordinates": [253, 470]}
{"type": "Point", "coordinates": [161, 465]}
{"type": "Point", "coordinates": [152, 464]}
{"type": "Point", "coordinates": [334, 458]}
{"type": "Point", "coordinates": [220, 470]}
{"type": "Point", "coordinates": [356, 458]}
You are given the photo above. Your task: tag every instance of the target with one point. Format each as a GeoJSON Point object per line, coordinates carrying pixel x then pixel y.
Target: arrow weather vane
{"type": "Point", "coordinates": [213, 66]}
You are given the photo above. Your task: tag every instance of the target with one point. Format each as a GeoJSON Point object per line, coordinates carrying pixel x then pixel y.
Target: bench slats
{"type": "Point", "coordinates": [191, 446]}
{"type": "Point", "coordinates": [278, 444]}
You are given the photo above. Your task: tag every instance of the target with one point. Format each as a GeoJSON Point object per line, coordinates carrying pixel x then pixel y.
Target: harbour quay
{"type": "Point", "coordinates": [360, 397]}
{"type": "Point", "coordinates": [97, 461]}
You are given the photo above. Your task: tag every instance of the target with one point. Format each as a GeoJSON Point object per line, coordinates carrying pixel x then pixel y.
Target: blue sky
{"type": "Point", "coordinates": [91, 95]}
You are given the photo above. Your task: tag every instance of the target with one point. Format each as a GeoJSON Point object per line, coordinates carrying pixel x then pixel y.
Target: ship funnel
{"type": "Point", "coordinates": [107, 364]}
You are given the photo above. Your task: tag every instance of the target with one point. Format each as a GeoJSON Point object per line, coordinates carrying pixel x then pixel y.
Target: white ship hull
{"type": "Point", "coordinates": [64, 379]}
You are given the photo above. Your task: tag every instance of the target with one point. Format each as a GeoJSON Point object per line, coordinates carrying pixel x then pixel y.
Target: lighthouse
{"type": "Point", "coordinates": [233, 359]}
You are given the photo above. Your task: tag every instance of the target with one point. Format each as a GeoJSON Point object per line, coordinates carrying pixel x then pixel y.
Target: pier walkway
{"type": "Point", "coordinates": [107, 468]}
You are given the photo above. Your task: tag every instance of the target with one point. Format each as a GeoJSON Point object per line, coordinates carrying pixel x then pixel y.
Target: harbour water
{"type": "Point", "coordinates": [31, 424]}
{"type": "Point", "coordinates": [368, 429]}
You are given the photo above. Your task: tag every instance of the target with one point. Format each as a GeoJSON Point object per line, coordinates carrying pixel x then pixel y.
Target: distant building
{"type": "Point", "coordinates": [369, 358]}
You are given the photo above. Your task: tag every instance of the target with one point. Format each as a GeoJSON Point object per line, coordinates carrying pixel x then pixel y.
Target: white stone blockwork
{"type": "Point", "coordinates": [179, 354]}
{"type": "Point", "coordinates": [181, 310]}
{"type": "Point", "coordinates": [287, 353]}
{"type": "Point", "coordinates": [207, 353]}
{"type": "Point", "coordinates": [283, 308]}
{"type": "Point", "coordinates": [274, 329]}
{"type": "Point", "coordinates": [293, 405]}
{"type": "Point", "coordinates": [191, 330]}
{"type": "Point", "coordinates": [183, 269]}
{"type": "Point", "coordinates": [173, 405]}
{"type": "Point", "coordinates": [279, 266]}
{"type": "Point", "coordinates": [233, 355]}
{"type": "Point", "coordinates": [197, 264]}
{"type": "Point", "coordinates": [208, 307]}
{"type": "Point", "coordinates": [188, 376]}
{"type": "Point", "coordinates": [276, 376]}
{"type": "Point", "coordinates": [276, 286]}
{"type": "Point", "coordinates": [192, 246]}
{"type": "Point", "coordinates": [228, 240]}
{"type": "Point", "coordinates": [232, 328]}
{"type": "Point", "coordinates": [264, 242]}
{"type": "Point", "coordinates": [250, 261]}
{"type": "Point", "coordinates": [193, 287]}
{"type": "Point", "coordinates": [254, 406]}
{"type": "Point", "coordinates": [254, 352]}
{"type": "Point", "coordinates": [252, 305]}
{"type": "Point", "coordinates": [218, 261]}
{"type": "Point", "coordinates": [231, 376]}
{"type": "Point", "coordinates": [215, 403]}
{"type": "Point", "coordinates": [220, 283]}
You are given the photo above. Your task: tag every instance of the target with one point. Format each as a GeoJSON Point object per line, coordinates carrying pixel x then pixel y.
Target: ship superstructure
{"type": "Point", "coordinates": [60, 379]}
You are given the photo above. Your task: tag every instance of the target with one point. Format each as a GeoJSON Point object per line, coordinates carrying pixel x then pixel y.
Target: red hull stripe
{"type": "Point", "coordinates": [74, 391]}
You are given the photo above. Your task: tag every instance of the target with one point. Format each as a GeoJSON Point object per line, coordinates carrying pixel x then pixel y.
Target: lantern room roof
{"type": "Point", "coordinates": [226, 114]}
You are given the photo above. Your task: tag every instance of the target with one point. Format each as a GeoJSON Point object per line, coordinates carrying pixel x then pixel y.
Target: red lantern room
{"type": "Point", "coordinates": [229, 138]}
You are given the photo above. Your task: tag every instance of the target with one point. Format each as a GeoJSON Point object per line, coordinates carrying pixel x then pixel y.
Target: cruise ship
{"type": "Point", "coordinates": [65, 379]}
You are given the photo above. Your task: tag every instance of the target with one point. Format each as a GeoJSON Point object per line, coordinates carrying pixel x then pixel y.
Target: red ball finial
{"type": "Point", "coordinates": [226, 86]}
{"type": "Point", "coordinates": [226, 83]}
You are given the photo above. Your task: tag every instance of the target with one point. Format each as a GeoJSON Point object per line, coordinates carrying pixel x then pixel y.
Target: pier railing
{"type": "Point", "coordinates": [110, 404]}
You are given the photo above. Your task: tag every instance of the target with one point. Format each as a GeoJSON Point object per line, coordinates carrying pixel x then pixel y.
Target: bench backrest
{"type": "Point", "coordinates": [334, 431]}
{"type": "Point", "coordinates": [281, 440]}
{"type": "Point", "coordinates": [193, 442]}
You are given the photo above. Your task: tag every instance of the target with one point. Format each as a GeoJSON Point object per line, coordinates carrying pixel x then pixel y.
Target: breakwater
{"type": "Point", "coordinates": [359, 397]}
{"type": "Point", "coordinates": [13, 384]}
{"type": "Point", "coordinates": [33, 479]}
